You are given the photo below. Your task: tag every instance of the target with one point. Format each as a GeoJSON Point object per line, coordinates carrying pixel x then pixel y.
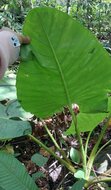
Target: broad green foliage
{"type": "Point", "coordinates": [10, 125]}
{"type": "Point", "coordinates": [13, 174]}
{"type": "Point", "coordinates": [1, 188]}
{"type": "Point", "coordinates": [109, 104]}
{"type": "Point", "coordinates": [66, 64]}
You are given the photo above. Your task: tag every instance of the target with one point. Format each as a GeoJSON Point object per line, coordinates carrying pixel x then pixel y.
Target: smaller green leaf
{"type": "Point", "coordinates": [2, 111]}
{"type": "Point", "coordinates": [78, 185]}
{"type": "Point", "coordinates": [14, 109]}
{"type": "Point", "coordinates": [37, 175]}
{"type": "Point", "coordinates": [13, 128]}
{"type": "Point", "coordinates": [39, 160]}
{"type": "Point", "coordinates": [86, 122]}
{"type": "Point", "coordinates": [75, 155]}
{"type": "Point", "coordinates": [79, 174]}
{"type": "Point", "coordinates": [10, 126]}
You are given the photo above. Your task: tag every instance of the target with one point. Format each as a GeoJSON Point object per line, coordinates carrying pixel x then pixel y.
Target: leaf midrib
{"type": "Point", "coordinates": [57, 63]}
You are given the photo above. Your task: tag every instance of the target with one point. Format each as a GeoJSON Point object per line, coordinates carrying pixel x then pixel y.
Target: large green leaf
{"type": "Point", "coordinates": [64, 64]}
{"type": "Point", "coordinates": [109, 104]}
{"type": "Point", "coordinates": [13, 174]}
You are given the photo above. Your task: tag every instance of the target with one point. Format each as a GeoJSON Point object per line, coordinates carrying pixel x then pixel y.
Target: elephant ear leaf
{"type": "Point", "coordinates": [64, 64]}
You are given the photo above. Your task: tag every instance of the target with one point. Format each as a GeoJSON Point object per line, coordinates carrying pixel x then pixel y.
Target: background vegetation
{"type": "Point", "coordinates": [96, 16]}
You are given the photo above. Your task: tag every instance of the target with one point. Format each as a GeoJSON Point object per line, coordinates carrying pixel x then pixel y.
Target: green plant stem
{"type": "Point", "coordinates": [68, 98]}
{"type": "Point", "coordinates": [97, 180]}
{"type": "Point", "coordinates": [51, 136]}
{"type": "Point", "coordinates": [70, 167]}
{"type": "Point", "coordinates": [74, 118]}
{"type": "Point", "coordinates": [56, 144]}
{"type": "Point", "coordinates": [87, 142]}
{"type": "Point", "coordinates": [94, 151]}
{"type": "Point", "coordinates": [102, 148]}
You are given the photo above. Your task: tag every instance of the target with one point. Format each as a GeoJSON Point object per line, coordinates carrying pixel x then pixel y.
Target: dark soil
{"type": "Point", "coordinates": [56, 176]}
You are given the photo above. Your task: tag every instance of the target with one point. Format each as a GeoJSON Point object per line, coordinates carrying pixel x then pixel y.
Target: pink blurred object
{"type": "Point", "coordinates": [9, 49]}
{"type": "Point", "coordinates": [75, 108]}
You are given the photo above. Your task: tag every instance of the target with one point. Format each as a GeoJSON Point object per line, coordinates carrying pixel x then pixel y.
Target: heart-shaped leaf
{"type": "Point", "coordinates": [64, 64]}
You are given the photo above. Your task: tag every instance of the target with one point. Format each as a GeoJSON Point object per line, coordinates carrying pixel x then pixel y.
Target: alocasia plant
{"type": "Point", "coordinates": [64, 64]}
